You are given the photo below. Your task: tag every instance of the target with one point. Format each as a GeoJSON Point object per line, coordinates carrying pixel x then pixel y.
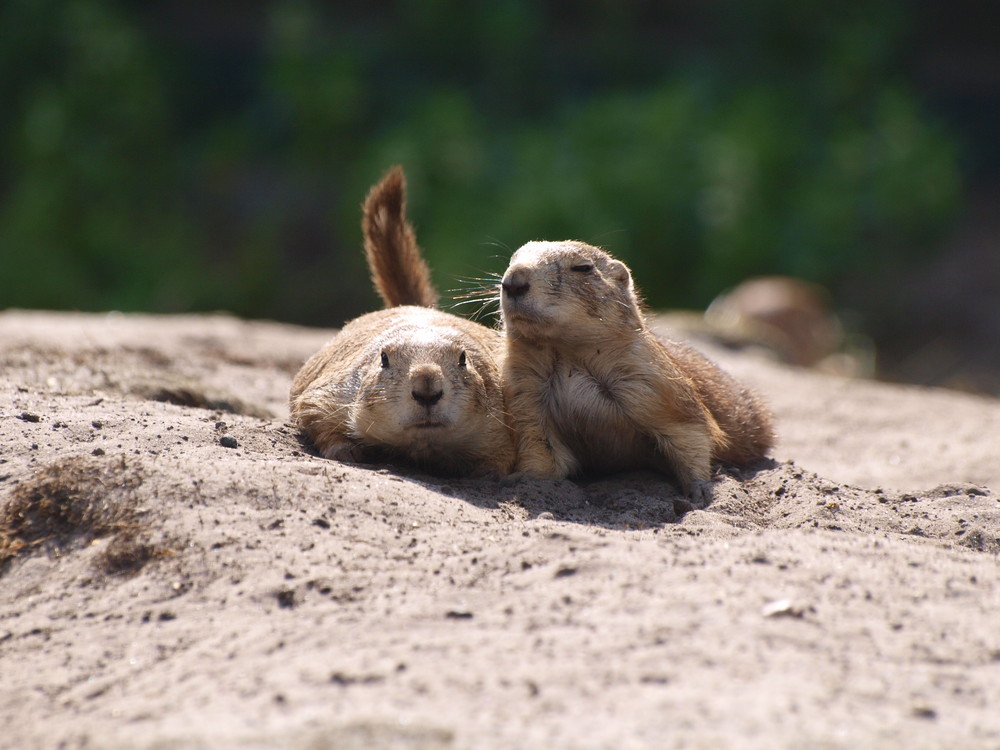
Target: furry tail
{"type": "Point", "coordinates": [399, 271]}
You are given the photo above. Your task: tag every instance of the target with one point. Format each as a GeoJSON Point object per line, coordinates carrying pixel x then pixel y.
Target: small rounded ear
{"type": "Point", "coordinates": [619, 272]}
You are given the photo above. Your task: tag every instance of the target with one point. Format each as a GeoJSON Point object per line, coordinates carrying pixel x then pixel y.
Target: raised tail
{"type": "Point", "coordinates": [399, 271]}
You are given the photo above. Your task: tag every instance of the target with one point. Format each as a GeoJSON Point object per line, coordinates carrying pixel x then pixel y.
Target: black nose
{"type": "Point", "coordinates": [427, 399]}
{"type": "Point", "coordinates": [515, 285]}
{"type": "Point", "coordinates": [426, 393]}
{"type": "Point", "coordinates": [426, 384]}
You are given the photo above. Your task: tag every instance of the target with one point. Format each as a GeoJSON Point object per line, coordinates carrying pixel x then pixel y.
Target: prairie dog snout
{"type": "Point", "coordinates": [516, 282]}
{"type": "Point", "coordinates": [426, 384]}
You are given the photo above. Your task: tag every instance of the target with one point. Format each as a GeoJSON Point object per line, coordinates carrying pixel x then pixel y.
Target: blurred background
{"type": "Point", "coordinates": [176, 156]}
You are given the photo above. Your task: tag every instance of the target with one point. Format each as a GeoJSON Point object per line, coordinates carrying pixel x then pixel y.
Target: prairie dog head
{"type": "Point", "coordinates": [421, 393]}
{"type": "Point", "coordinates": [566, 292]}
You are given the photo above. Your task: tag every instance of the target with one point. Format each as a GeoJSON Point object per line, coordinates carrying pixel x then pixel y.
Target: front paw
{"type": "Point", "coordinates": [699, 492]}
{"type": "Point", "coordinates": [540, 470]}
{"type": "Point", "coordinates": [552, 462]}
{"type": "Point", "coordinates": [513, 479]}
{"type": "Point", "coordinates": [345, 450]}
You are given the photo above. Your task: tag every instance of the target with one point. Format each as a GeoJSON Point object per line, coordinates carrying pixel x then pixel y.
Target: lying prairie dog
{"type": "Point", "coordinates": [591, 390]}
{"type": "Point", "coordinates": [409, 382]}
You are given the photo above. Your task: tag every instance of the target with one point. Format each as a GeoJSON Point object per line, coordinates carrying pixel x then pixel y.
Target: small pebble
{"type": "Point", "coordinates": [784, 608]}
{"type": "Point", "coordinates": [228, 441]}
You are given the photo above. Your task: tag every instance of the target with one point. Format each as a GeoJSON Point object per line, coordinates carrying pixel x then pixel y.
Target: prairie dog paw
{"type": "Point", "coordinates": [513, 479]}
{"type": "Point", "coordinates": [539, 469]}
{"type": "Point", "coordinates": [699, 491]}
{"type": "Point", "coordinates": [344, 450]}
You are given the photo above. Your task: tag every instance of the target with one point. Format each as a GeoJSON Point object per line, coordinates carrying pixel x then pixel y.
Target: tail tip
{"type": "Point", "coordinates": [389, 193]}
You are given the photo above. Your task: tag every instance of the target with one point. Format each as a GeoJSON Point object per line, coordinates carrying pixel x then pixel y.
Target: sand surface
{"type": "Point", "coordinates": [181, 572]}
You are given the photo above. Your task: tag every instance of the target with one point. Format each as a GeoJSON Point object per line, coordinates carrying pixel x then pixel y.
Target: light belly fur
{"type": "Point", "coordinates": [594, 426]}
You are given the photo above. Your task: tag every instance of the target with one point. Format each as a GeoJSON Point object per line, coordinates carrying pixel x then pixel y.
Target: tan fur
{"type": "Point", "coordinates": [591, 389]}
{"type": "Point", "coordinates": [406, 383]}
{"type": "Point", "coordinates": [398, 269]}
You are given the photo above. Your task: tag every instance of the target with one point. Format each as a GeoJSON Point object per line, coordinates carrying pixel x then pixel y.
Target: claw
{"type": "Point", "coordinates": [700, 492]}
{"type": "Point", "coordinates": [512, 480]}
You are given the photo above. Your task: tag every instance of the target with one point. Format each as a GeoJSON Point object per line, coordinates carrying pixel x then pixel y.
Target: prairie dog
{"type": "Point", "coordinates": [790, 316]}
{"type": "Point", "coordinates": [408, 382]}
{"type": "Point", "coordinates": [591, 389]}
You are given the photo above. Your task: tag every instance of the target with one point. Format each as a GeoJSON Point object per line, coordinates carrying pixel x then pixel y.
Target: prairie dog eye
{"type": "Point", "coordinates": [582, 267]}
{"type": "Point", "coordinates": [385, 361]}
{"type": "Point", "coordinates": [461, 359]}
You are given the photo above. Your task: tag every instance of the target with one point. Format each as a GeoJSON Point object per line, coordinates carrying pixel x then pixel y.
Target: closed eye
{"type": "Point", "coordinates": [582, 267]}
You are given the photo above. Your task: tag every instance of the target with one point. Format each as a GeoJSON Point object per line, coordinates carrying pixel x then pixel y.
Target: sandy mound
{"type": "Point", "coordinates": [178, 571]}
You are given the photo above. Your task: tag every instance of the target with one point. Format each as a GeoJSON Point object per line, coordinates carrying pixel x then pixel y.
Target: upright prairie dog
{"type": "Point", "coordinates": [591, 389]}
{"type": "Point", "coordinates": [408, 382]}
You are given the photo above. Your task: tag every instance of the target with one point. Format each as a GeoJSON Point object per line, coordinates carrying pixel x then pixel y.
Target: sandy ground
{"type": "Point", "coordinates": [181, 572]}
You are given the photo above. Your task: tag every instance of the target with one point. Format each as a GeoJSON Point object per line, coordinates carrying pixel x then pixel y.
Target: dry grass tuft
{"type": "Point", "coordinates": [192, 396]}
{"type": "Point", "coordinates": [127, 553]}
{"type": "Point", "coordinates": [76, 499]}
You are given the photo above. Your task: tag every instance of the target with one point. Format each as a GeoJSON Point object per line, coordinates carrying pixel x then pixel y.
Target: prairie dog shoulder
{"type": "Point", "coordinates": [591, 389]}
{"type": "Point", "coordinates": [408, 382]}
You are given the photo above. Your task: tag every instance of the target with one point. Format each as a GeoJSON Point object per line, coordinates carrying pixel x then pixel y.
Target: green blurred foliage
{"type": "Point", "coordinates": [87, 217]}
{"type": "Point", "coordinates": [144, 170]}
